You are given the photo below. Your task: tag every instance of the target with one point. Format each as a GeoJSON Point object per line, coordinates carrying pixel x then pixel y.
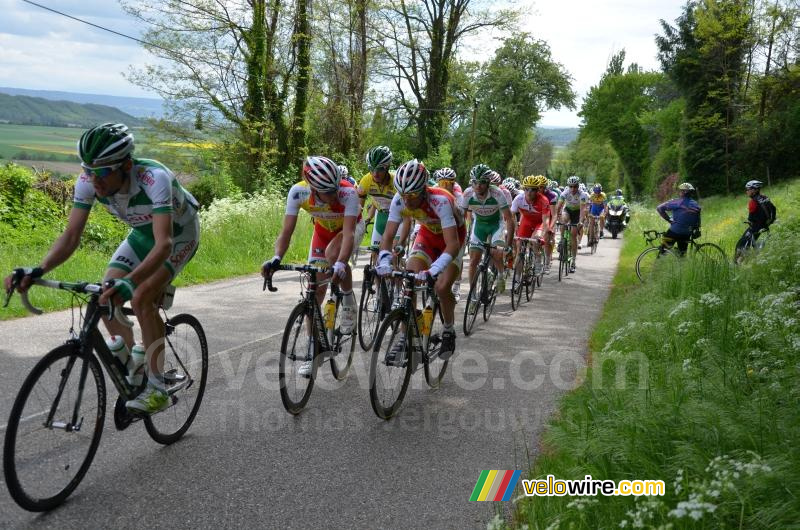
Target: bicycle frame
{"type": "Point", "coordinates": [409, 288]}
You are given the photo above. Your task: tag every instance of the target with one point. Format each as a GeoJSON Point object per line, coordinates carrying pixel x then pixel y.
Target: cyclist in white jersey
{"type": "Point", "coordinates": [572, 204]}
{"type": "Point", "coordinates": [164, 237]}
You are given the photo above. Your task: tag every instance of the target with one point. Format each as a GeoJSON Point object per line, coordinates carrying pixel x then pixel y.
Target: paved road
{"type": "Point", "coordinates": [246, 462]}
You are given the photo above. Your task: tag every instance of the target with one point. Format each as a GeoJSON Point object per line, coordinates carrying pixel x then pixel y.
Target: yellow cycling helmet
{"type": "Point", "coordinates": [540, 181]}
{"type": "Point", "coordinates": [529, 182]}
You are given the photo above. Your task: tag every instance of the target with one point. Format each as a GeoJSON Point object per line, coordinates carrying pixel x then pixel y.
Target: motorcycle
{"type": "Point", "coordinates": [616, 220]}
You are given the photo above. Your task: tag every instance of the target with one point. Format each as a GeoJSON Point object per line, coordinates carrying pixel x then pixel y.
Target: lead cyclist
{"type": "Point", "coordinates": [164, 236]}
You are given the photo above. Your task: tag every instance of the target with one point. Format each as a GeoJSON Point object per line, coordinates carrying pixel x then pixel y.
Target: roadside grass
{"type": "Point", "coordinates": [237, 235]}
{"type": "Point", "coordinates": [693, 380]}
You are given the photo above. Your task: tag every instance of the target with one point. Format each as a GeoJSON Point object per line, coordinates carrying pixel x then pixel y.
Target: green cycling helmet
{"type": "Point", "coordinates": [379, 157]}
{"type": "Point", "coordinates": [105, 145]}
{"type": "Point", "coordinates": [481, 173]}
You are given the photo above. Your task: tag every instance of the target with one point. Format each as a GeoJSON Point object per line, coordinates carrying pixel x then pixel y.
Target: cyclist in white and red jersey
{"type": "Point", "coordinates": [438, 248]}
{"type": "Point", "coordinates": [334, 205]}
{"type": "Point", "coordinates": [534, 208]}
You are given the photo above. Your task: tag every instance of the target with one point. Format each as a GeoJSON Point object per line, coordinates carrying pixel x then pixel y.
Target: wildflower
{"type": "Point", "coordinates": [680, 308]}
{"type": "Point", "coordinates": [684, 327]}
{"type": "Point", "coordinates": [710, 300]}
{"type": "Point", "coordinates": [687, 365]}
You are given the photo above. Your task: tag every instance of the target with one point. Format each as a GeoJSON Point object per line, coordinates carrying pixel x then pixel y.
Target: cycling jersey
{"type": "Point", "coordinates": [685, 215]}
{"type": "Point", "coordinates": [573, 201]}
{"type": "Point", "coordinates": [552, 197]}
{"type": "Point", "coordinates": [381, 193]}
{"type": "Point", "coordinates": [457, 193]}
{"type": "Point", "coordinates": [436, 213]}
{"type": "Point", "coordinates": [597, 203]}
{"type": "Point", "coordinates": [486, 210]}
{"type": "Point", "coordinates": [328, 217]}
{"type": "Point", "coordinates": [153, 190]}
{"type": "Point", "coordinates": [531, 212]}
{"type": "Point", "coordinates": [507, 194]}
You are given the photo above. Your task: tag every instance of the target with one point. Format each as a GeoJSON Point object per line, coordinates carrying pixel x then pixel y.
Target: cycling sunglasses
{"type": "Point", "coordinates": [100, 172]}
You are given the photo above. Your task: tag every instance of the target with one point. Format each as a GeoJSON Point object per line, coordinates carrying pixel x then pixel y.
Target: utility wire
{"type": "Point", "coordinates": [98, 26]}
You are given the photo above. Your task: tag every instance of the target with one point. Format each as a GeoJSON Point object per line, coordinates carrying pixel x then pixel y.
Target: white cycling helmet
{"type": "Point", "coordinates": [411, 177]}
{"type": "Point", "coordinates": [573, 181]}
{"type": "Point", "coordinates": [321, 173]}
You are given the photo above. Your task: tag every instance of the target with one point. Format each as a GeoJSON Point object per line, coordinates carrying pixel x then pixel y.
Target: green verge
{"type": "Point", "coordinates": [237, 235]}
{"type": "Point", "coordinates": [693, 380]}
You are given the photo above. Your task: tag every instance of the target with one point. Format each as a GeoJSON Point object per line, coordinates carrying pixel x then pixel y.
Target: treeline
{"type": "Point", "coordinates": [723, 109]}
{"type": "Point", "coordinates": [25, 110]}
{"type": "Point", "coordinates": [269, 82]}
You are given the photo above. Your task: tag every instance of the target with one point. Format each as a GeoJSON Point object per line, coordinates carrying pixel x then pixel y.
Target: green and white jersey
{"type": "Point", "coordinates": [153, 189]}
{"type": "Point", "coordinates": [487, 209]}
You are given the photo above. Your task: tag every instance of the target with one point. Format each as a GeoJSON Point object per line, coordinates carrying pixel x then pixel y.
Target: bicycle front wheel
{"type": "Point", "coordinates": [517, 281]}
{"type": "Point", "coordinates": [474, 300]}
{"type": "Point", "coordinates": [530, 277]}
{"type": "Point", "coordinates": [389, 374]}
{"type": "Point", "coordinates": [650, 261]}
{"type": "Point", "coordinates": [54, 428]}
{"type": "Point", "coordinates": [370, 310]}
{"type": "Point", "coordinates": [490, 291]}
{"type": "Point", "coordinates": [185, 375]}
{"type": "Point", "coordinates": [344, 345]}
{"type": "Point", "coordinates": [297, 347]}
{"type": "Point", "coordinates": [434, 365]}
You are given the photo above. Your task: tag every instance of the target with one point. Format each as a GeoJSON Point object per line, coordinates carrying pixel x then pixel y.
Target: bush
{"type": "Point", "coordinates": [212, 186]}
{"type": "Point", "coordinates": [15, 181]}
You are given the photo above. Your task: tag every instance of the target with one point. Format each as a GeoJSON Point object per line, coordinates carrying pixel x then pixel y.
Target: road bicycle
{"type": "Point", "coordinates": [309, 336]}
{"type": "Point", "coordinates": [57, 419]}
{"type": "Point", "coordinates": [657, 257]}
{"type": "Point", "coordinates": [421, 332]}
{"type": "Point", "coordinates": [752, 242]}
{"type": "Point", "coordinates": [593, 237]}
{"type": "Point", "coordinates": [528, 270]}
{"type": "Point", "coordinates": [482, 288]}
{"type": "Point", "coordinates": [566, 259]}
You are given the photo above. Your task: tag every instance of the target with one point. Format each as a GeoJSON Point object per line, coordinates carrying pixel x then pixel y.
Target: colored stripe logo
{"type": "Point", "coordinates": [495, 485]}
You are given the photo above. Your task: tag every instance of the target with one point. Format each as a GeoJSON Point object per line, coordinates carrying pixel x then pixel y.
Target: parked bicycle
{"type": "Point", "coordinates": [310, 337]}
{"type": "Point", "coordinates": [655, 257]}
{"type": "Point", "coordinates": [390, 371]}
{"type": "Point", "coordinates": [528, 271]}
{"type": "Point", "coordinates": [482, 288]}
{"type": "Point", "coordinates": [57, 419]}
{"type": "Point", "coordinates": [751, 242]}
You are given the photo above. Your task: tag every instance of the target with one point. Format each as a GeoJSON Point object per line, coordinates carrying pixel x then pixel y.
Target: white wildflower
{"type": "Point", "coordinates": [687, 365]}
{"type": "Point", "coordinates": [684, 327]}
{"type": "Point", "coordinates": [710, 300]}
{"type": "Point", "coordinates": [680, 308]}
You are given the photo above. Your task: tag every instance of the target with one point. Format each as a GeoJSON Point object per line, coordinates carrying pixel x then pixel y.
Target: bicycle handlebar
{"type": "Point", "coordinates": [114, 311]}
{"type": "Point", "coordinates": [297, 268]}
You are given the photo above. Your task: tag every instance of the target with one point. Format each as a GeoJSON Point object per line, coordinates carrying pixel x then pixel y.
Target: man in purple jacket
{"type": "Point", "coordinates": [685, 221]}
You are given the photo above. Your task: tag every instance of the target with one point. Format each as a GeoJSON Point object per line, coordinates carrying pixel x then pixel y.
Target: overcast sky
{"type": "Point", "coordinates": [41, 50]}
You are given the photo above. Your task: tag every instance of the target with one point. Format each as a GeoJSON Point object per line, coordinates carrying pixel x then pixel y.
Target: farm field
{"type": "Point", "coordinates": [49, 142]}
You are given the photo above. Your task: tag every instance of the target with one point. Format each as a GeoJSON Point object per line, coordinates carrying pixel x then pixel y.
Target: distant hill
{"type": "Point", "coordinates": [559, 137]}
{"type": "Point", "coordinates": [25, 110]}
{"type": "Point", "coordinates": [139, 107]}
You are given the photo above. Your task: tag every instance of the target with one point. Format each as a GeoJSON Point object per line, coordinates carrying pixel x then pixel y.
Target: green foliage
{"type": "Point", "coordinates": [209, 187]}
{"type": "Point", "coordinates": [693, 382]}
{"type": "Point", "coordinates": [612, 111]}
{"type": "Point", "coordinates": [15, 181]}
{"type": "Point", "coordinates": [521, 80]}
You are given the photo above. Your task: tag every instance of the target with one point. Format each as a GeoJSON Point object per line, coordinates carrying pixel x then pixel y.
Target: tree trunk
{"type": "Point", "coordinates": [302, 39]}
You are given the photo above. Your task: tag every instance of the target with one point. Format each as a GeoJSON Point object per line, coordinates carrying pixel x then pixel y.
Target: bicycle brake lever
{"type": "Point", "coordinates": [268, 283]}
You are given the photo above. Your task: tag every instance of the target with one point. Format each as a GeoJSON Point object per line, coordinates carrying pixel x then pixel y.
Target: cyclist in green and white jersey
{"type": "Point", "coordinates": [165, 235]}
{"type": "Point", "coordinates": [572, 204]}
{"type": "Point", "coordinates": [488, 207]}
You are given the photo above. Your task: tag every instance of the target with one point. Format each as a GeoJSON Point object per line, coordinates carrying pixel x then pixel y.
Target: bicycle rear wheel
{"type": "Point", "coordinates": [710, 251]}
{"type": "Point", "coordinates": [343, 344]}
{"type": "Point", "coordinates": [44, 462]}
{"type": "Point", "coordinates": [297, 347]}
{"type": "Point", "coordinates": [185, 375]}
{"type": "Point", "coordinates": [474, 300]}
{"type": "Point", "coordinates": [388, 381]}
{"type": "Point", "coordinates": [434, 365]}
{"type": "Point", "coordinates": [650, 262]}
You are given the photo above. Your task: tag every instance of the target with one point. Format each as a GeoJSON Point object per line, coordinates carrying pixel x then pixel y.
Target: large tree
{"type": "Point", "coordinates": [612, 110]}
{"type": "Point", "coordinates": [514, 88]}
{"type": "Point", "coordinates": [242, 63]}
{"type": "Point", "coordinates": [417, 41]}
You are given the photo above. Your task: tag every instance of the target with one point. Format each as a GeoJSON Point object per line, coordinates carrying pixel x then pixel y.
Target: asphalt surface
{"type": "Point", "coordinates": [246, 462]}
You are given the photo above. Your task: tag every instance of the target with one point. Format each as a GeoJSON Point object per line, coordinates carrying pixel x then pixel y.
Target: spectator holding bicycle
{"type": "Point", "coordinates": [685, 221]}
{"type": "Point", "coordinates": [760, 214]}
